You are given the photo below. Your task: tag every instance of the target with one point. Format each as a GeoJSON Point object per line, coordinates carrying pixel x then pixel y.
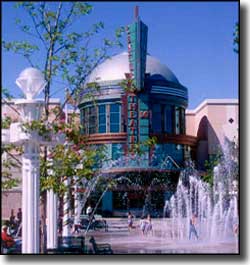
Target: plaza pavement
{"type": "Point", "coordinates": [160, 241]}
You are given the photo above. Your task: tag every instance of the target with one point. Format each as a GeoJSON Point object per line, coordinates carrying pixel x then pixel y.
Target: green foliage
{"type": "Point", "coordinates": [6, 121]}
{"type": "Point", "coordinates": [209, 165]}
{"type": "Point", "coordinates": [128, 85]}
{"type": "Point", "coordinates": [6, 94]}
{"type": "Point", "coordinates": [21, 47]}
{"type": "Point", "coordinates": [66, 54]}
{"type": "Point", "coordinates": [142, 147]}
{"type": "Point", "coordinates": [236, 38]}
{"type": "Point", "coordinates": [76, 159]}
{"type": "Point", "coordinates": [9, 162]}
{"type": "Point", "coordinates": [37, 126]}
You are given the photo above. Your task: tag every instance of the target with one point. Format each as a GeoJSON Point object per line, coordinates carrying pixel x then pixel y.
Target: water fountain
{"type": "Point", "coordinates": [215, 209]}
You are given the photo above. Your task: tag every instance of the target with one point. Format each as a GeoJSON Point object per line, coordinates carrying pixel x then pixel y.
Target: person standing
{"type": "Point", "coordinates": [192, 229]}
{"type": "Point", "coordinates": [12, 219]}
{"type": "Point", "coordinates": [142, 225]}
{"type": "Point", "coordinates": [149, 227]}
{"type": "Point", "coordinates": [130, 221]}
{"type": "Point", "coordinates": [19, 216]}
{"type": "Point", "coordinates": [89, 210]}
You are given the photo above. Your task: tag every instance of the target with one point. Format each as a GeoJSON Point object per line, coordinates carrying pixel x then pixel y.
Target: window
{"type": "Point", "coordinates": [85, 121]}
{"type": "Point", "coordinates": [182, 121]}
{"type": "Point", "coordinates": [92, 120]}
{"type": "Point", "coordinates": [168, 119]}
{"type": "Point", "coordinates": [114, 117]}
{"type": "Point", "coordinates": [102, 118]}
{"type": "Point", "coordinates": [117, 151]}
{"type": "Point", "coordinates": [162, 152]}
{"type": "Point", "coordinates": [156, 118]}
{"type": "Point", "coordinates": [177, 120]}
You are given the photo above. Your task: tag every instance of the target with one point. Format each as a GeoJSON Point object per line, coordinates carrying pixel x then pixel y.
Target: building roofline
{"type": "Point", "coordinates": [51, 100]}
{"type": "Point", "coordinates": [206, 102]}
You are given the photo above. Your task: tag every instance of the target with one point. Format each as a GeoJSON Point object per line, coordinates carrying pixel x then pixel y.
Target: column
{"type": "Point", "coordinates": [66, 209]}
{"type": "Point", "coordinates": [52, 206]}
{"type": "Point", "coordinates": [76, 204]}
{"type": "Point", "coordinates": [30, 198]}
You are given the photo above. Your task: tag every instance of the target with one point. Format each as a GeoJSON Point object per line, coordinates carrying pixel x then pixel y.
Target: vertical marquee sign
{"type": "Point", "coordinates": [132, 125]}
{"type": "Point", "coordinates": [137, 102]}
{"type": "Point", "coordinates": [137, 51]}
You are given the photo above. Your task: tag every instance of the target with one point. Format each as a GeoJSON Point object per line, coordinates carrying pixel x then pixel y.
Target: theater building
{"type": "Point", "coordinates": [138, 98]}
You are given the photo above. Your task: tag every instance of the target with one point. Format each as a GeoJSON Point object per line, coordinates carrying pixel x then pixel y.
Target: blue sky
{"type": "Point", "coordinates": [194, 39]}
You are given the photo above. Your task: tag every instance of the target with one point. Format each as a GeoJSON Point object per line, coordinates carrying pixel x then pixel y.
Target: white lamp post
{"type": "Point", "coordinates": [31, 81]}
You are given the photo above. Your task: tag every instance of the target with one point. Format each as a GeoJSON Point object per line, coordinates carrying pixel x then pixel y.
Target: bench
{"type": "Point", "coordinates": [69, 245]}
{"type": "Point", "coordinates": [65, 250]}
{"type": "Point", "coordinates": [97, 223]}
{"type": "Point", "coordinates": [100, 248]}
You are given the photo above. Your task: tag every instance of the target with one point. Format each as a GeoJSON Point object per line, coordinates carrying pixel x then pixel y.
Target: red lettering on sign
{"type": "Point", "coordinates": [133, 130]}
{"type": "Point", "coordinates": [132, 139]}
{"type": "Point", "coordinates": [133, 106]}
{"type": "Point", "coordinates": [132, 123]}
{"type": "Point", "coordinates": [132, 114]}
{"type": "Point", "coordinates": [144, 114]}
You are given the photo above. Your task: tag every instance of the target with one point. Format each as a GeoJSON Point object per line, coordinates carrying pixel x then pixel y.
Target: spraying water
{"type": "Point", "coordinates": [215, 208]}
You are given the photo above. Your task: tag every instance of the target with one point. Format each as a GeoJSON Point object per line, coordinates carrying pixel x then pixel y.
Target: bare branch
{"type": "Point", "coordinates": [68, 17]}
{"type": "Point", "coordinates": [43, 15]}
{"type": "Point", "coordinates": [39, 36]}
{"type": "Point", "coordinates": [81, 80]}
{"type": "Point", "coordinates": [27, 57]}
{"type": "Point", "coordinates": [13, 157]}
{"type": "Point", "coordinates": [9, 104]}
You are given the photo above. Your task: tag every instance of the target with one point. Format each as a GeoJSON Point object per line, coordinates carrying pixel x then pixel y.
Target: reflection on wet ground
{"type": "Point", "coordinates": [159, 242]}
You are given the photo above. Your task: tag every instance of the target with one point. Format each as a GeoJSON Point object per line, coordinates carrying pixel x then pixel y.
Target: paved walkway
{"type": "Point", "coordinates": [160, 241]}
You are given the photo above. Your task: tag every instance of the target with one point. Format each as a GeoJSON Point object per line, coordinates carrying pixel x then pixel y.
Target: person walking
{"type": "Point", "coordinates": [192, 229]}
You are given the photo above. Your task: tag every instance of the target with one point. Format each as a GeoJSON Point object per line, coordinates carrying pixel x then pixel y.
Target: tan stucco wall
{"type": "Point", "coordinates": [218, 113]}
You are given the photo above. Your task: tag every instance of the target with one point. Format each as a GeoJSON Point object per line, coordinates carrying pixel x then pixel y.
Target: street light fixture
{"type": "Point", "coordinates": [31, 82]}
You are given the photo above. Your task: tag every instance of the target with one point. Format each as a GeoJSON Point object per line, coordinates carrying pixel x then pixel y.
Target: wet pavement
{"type": "Point", "coordinates": [159, 241]}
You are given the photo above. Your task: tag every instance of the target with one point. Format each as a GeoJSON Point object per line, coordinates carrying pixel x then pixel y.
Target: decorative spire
{"type": "Point", "coordinates": [136, 12]}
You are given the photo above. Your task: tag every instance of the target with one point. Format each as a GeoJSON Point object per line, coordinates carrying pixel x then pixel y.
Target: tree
{"type": "Point", "coordinates": [9, 152]}
{"type": "Point", "coordinates": [63, 53]}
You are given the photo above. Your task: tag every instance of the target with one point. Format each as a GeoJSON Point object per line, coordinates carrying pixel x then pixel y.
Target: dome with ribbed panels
{"type": "Point", "coordinates": [115, 68]}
